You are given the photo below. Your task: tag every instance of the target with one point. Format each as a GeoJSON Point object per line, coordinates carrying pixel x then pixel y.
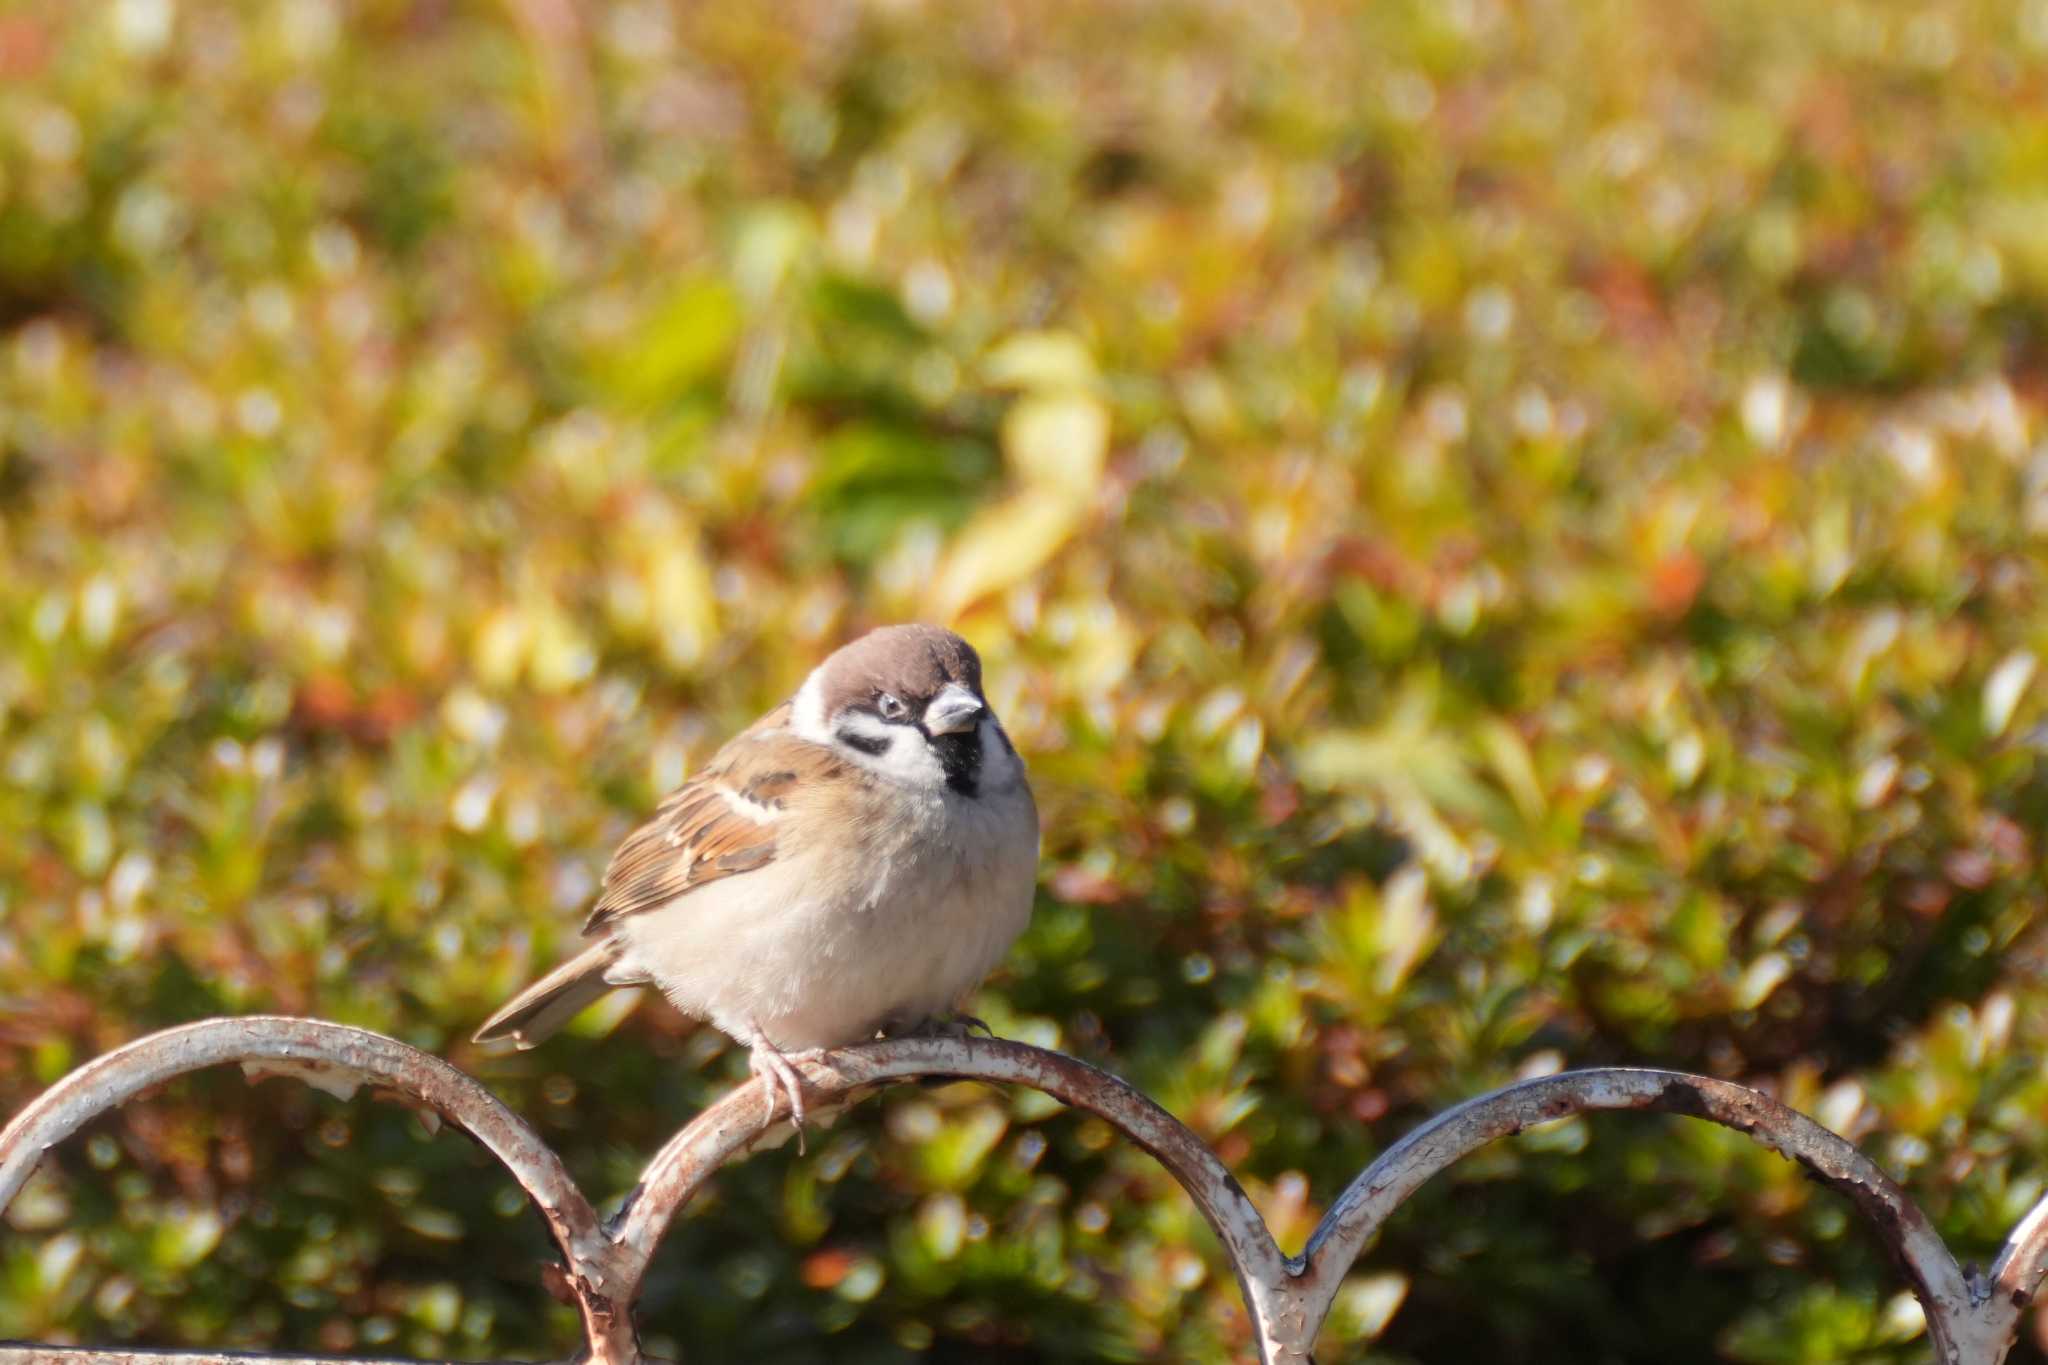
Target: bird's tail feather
{"type": "Point", "coordinates": [536, 1012]}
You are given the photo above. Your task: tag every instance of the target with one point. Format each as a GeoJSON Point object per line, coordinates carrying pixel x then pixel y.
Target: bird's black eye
{"type": "Point", "coordinates": [890, 707]}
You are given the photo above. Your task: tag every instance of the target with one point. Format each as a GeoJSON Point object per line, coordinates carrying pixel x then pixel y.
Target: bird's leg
{"type": "Point", "coordinates": [767, 1060]}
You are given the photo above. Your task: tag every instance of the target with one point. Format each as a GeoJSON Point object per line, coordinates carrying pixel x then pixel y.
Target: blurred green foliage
{"type": "Point", "coordinates": [1512, 535]}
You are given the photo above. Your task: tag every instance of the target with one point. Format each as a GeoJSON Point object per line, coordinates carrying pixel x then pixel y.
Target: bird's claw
{"type": "Point", "coordinates": [774, 1066]}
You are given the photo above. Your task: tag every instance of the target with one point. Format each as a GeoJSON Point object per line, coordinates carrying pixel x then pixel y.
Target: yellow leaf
{"type": "Point", "coordinates": [1407, 930]}
{"type": "Point", "coordinates": [1040, 361]}
{"type": "Point", "coordinates": [1105, 646]}
{"type": "Point", "coordinates": [1374, 942]}
{"type": "Point", "coordinates": [1057, 441]}
{"type": "Point", "coordinates": [1509, 757]}
{"type": "Point", "coordinates": [558, 657]}
{"type": "Point", "coordinates": [688, 339]}
{"type": "Point", "coordinates": [499, 648]}
{"type": "Point", "coordinates": [771, 243]}
{"type": "Point", "coordinates": [1364, 1305]}
{"type": "Point", "coordinates": [685, 609]}
{"type": "Point", "coordinates": [1004, 545]}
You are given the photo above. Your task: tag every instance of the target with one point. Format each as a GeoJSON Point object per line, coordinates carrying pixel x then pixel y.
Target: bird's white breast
{"type": "Point", "coordinates": [886, 926]}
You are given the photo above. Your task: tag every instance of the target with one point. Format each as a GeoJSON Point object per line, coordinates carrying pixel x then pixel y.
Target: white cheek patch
{"type": "Point", "coordinates": [905, 755]}
{"type": "Point", "coordinates": [807, 712]}
{"type": "Point", "coordinates": [866, 726]}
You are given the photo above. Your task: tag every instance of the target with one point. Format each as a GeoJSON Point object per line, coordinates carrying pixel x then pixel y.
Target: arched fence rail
{"type": "Point", "coordinates": [1971, 1317]}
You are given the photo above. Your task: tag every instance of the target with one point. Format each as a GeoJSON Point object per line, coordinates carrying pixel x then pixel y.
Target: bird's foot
{"type": "Point", "coordinates": [949, 1026]}
{"type": "Point", "coordinates": [775, 1066]}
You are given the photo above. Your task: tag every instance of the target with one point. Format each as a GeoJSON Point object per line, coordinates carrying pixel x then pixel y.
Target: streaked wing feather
{"type": "Point", "coordinates": [720, 823]}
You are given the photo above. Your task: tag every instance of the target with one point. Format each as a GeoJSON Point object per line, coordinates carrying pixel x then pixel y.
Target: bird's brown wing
{"type": "Point", "coordinates": [720, 823]}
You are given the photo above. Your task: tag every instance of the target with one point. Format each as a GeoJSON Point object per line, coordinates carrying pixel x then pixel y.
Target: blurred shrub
{"type": "Point", "coordinates": [1513, 536]}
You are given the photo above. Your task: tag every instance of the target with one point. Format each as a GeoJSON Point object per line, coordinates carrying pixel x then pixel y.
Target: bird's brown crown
{"type": "Point", "coordinates": [910, 663]}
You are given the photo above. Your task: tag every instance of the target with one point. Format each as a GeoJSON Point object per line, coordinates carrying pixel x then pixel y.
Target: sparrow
{"type": "Point", "coordinates": [851, 864]}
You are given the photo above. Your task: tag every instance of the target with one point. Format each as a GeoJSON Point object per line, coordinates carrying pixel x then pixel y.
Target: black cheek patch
{"type": "Point", "coordinates": [866, 744]}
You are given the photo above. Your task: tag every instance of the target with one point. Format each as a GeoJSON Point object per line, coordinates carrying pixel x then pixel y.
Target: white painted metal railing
{"type": "Point", "coordinates": [1971, 1318]}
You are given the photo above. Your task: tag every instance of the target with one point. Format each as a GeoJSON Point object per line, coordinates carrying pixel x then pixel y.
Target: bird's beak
{"type": "Point", "coordinates": [953, 710]}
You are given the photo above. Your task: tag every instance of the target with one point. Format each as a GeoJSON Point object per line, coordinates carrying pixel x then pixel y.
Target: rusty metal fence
{"type": "Point", "coordinates": [1971, 1317]}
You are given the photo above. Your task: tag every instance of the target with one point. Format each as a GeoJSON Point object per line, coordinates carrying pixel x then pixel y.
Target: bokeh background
{"type": "Point", "coordinates": [1512, 535]}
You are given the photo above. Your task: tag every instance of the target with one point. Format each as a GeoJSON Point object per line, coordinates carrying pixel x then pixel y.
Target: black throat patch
{"type": "Point", "coordinates": [960, 757]}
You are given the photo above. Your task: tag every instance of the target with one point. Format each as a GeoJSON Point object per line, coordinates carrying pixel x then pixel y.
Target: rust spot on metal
{"type": "Point", "coordinates": [1679, 1098]}
{"type": "Point", "coordinates": [554, 1277]}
